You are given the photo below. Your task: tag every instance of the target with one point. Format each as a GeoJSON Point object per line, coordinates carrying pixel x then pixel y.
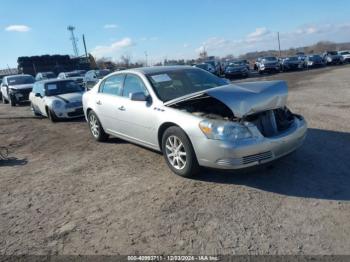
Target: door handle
{"type": "Point", "coordinates": [99, 102]}
{"type": "Point", "coordinates": [122, 108]}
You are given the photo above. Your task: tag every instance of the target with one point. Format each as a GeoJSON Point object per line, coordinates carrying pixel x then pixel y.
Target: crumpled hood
{"type": "Point", "coordinates": [68, 98]}
{"type": "Point", "coordinates": [25, 86]}
{"type": "Point", "coordinates": [245, 98]}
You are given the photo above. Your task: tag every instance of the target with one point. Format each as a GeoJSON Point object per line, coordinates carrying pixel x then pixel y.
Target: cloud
{"type": "Point", "coordinates": [259, 32]}
{"type": "Point", "coordinates": [112, 49]}
{"type": "Point", "coordinates": [110, 26]}
{"type": "Point", "coordinates": [264, 39]}
{"type": "Point", "coordinates": [18, 28]}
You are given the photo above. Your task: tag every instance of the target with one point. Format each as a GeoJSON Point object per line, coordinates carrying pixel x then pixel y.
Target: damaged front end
{"type": "Point", "coordinates": [250, 121]}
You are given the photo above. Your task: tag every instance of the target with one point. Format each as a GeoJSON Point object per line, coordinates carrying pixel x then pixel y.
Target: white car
{"type": "Point", "coordinates": [16, 88]}
{"type": "Point", "coordinates": [345, 56]}
{"type": "Point", "coordinates": [57, 99]}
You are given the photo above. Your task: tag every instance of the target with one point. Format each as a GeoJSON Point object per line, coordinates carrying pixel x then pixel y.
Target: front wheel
{"type": "Point", "coordinates": [178, 152]}
{"type": "Point", "coordinates": [51, 115]}
{"type": "Point", "coordinates": [12, 101]}
{"type": "Point", "coordinates": [96, 128]}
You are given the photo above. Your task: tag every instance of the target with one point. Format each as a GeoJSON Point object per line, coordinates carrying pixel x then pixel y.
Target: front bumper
{"type": "Point", "coordinates": [250, 152]}
{"type": "Point", "coordinates": [69, 113]}
{"type": "Point", "coordinates": [20, 95]}
{"type": "Point", "coordinates": [236, 74]}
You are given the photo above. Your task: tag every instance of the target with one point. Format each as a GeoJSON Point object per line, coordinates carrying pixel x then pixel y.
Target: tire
{"type": "Point", "coordinates": [12, 101]}
{"type": "Point", "coordinates": [96, 128]}
{"type": "Point", "coordinates": [51, 115]}
{"type": "Point", "coordinates": [188, 165]}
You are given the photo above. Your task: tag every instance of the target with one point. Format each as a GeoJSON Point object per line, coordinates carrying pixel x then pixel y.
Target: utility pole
{"type": "Point", "coordinates": [279, 43]}
{"type": "Point", "coordinates": [146, 55]}
{"type": "Point", "coordinates": [74, 40]}
{"type": "Point", "coordinates": [86, 54]}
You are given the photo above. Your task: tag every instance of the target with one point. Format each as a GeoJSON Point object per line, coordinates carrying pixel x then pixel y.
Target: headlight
{"type": "Point", "coordinates": [57, 104]}
{"type": "Point", "coordinates": [12, 90]}
{"type": "Point", "coordinates": [224, 130]}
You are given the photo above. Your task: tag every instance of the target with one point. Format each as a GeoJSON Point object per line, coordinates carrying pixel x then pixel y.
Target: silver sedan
{"type": "Point", "coordinates": [194, 117]}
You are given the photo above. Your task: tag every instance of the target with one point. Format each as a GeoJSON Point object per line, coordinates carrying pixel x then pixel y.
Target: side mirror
{"type": "Point", "coordinates": [37, 95]}
{"type": "Point", "coordinates": [138, 96]}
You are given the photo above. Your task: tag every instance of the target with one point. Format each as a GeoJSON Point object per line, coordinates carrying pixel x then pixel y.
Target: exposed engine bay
{"type": "Point", "coordinates": [269, 123]}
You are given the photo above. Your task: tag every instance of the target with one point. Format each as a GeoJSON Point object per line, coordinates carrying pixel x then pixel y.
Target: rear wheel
{"type": "Point", "coordinates": [96, 128]}
{"type": "Point", "coordinates": [178, 152]}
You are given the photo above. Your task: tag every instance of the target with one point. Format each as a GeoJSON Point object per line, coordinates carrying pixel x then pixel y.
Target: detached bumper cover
{"type": "Point", "coordinates": [250, 152]}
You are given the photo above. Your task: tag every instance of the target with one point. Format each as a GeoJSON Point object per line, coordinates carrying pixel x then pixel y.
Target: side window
{"type": "Point", "coordinates": [133, 84]}
{"type": "Point", "coordinates": [42, 90]}
{"type": "Point", "coordinates": [35, 88]}
{"type": "Point", "coordinates": [112, 85]}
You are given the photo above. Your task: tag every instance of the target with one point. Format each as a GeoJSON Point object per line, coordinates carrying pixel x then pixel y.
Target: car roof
{"type": "Point", "coordinates": [18, 75]}
{"type": "Point", "coordinates": [158, 69]}
{"type": "Point", "coordinates": [47, 81]}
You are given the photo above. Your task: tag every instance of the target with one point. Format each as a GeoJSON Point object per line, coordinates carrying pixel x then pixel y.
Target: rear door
{"type": "Point", "coordinates": [108, 101]}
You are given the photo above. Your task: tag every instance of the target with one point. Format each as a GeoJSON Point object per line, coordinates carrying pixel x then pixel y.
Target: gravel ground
{"type": "Point", "coordinates": [63, 193]}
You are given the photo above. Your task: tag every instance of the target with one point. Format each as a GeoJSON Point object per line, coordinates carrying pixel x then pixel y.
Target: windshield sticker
{"type": "Point", "coordinates": [51, 87]}
{"type": "Point", "coordinates": [161, 78]}
{"type": "Point", "coordinates": [12, 81]}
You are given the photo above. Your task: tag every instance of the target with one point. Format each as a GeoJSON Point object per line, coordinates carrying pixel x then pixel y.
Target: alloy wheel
{"type": "Point", "coordinates": [175, 152]}
{"type": "Point", "coordinates": [94, 126]}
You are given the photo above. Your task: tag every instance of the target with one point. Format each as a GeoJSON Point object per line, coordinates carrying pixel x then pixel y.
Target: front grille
{"type": "Point", "coordinates": [25, 93]}
{"type": "Point", "coordinates": [76, 112]}
{"type": "Point", "coordinates": [257, 157]}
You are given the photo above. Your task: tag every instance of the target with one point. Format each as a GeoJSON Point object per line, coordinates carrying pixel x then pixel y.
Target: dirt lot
{"type": "Point", "coordinates": [63, 193]}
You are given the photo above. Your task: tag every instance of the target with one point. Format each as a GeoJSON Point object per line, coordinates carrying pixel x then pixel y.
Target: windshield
{"type": "Point", "coordinates": [345, 53]}
{"type": "Point", "coordinates": [293, 58]}
{"type": "Point", "coordinates": [63, 87]}
{"type": "Point", "coordinates": [49, 75]}
{"type": "Point", "coordinates": [20, 80]}
{"type": "Point", "coordinates": [270, 59]}
{"type": "Point", "coordinates": [102, 73]}
{"type": "Point", "coordinates": [73, 74]}
{"type": "Point", "coordinates": [202, 66]}
{"type": "Point", "coordinates": [172, 84]}
{"type": "Point", "coordinates": [315, 58]}
{"type": "Point", "coordinates": [237, 63]}
{"type": "Point", "coordinates": [333, 53]}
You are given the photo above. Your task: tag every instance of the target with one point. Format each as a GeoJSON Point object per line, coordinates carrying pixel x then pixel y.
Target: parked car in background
{"type": "Point", "coordinates": [216, 65]}
{"type": "Point", "coordinates": [312, 61]}
{"type": "Point", "coordinates": [206, 67]}
{"type": "Point", "coordinates": [301, 56]}
{"type": "Point", "coordinates": [345, 56]}
{"type": "Point", "coordinates": [257, 63]}
{"type": "Point", "coordinates": [80, 72]}
{"type": "Point", "coordinates": [16, 88]}
{"type": "Point", "coordinates": [57, 99]}
{"type": "Point", "coordinates": [236, 69]}
{"type": "Point", "coordinates": [195, 118]}
{"type": "Point", "coordinates": [268, 64]}
{"type": "Point", "coordinates": [93, 76]}
{"type": "Point", "coordinates": [74, 75]}
{"type": "Point", "coordinates": [291, 63]}
{"type": "Point", "coordinates": [44, 75]}
{"type": "Point", "coordinates": [331, 58]}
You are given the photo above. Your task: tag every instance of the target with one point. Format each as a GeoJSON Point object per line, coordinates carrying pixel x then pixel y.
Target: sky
{"type": "Point", "coordinates": [177, 29]}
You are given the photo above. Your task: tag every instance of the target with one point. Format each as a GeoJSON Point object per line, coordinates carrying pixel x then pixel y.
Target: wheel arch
{"type": "Point", "coordinates": [161, 131]}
